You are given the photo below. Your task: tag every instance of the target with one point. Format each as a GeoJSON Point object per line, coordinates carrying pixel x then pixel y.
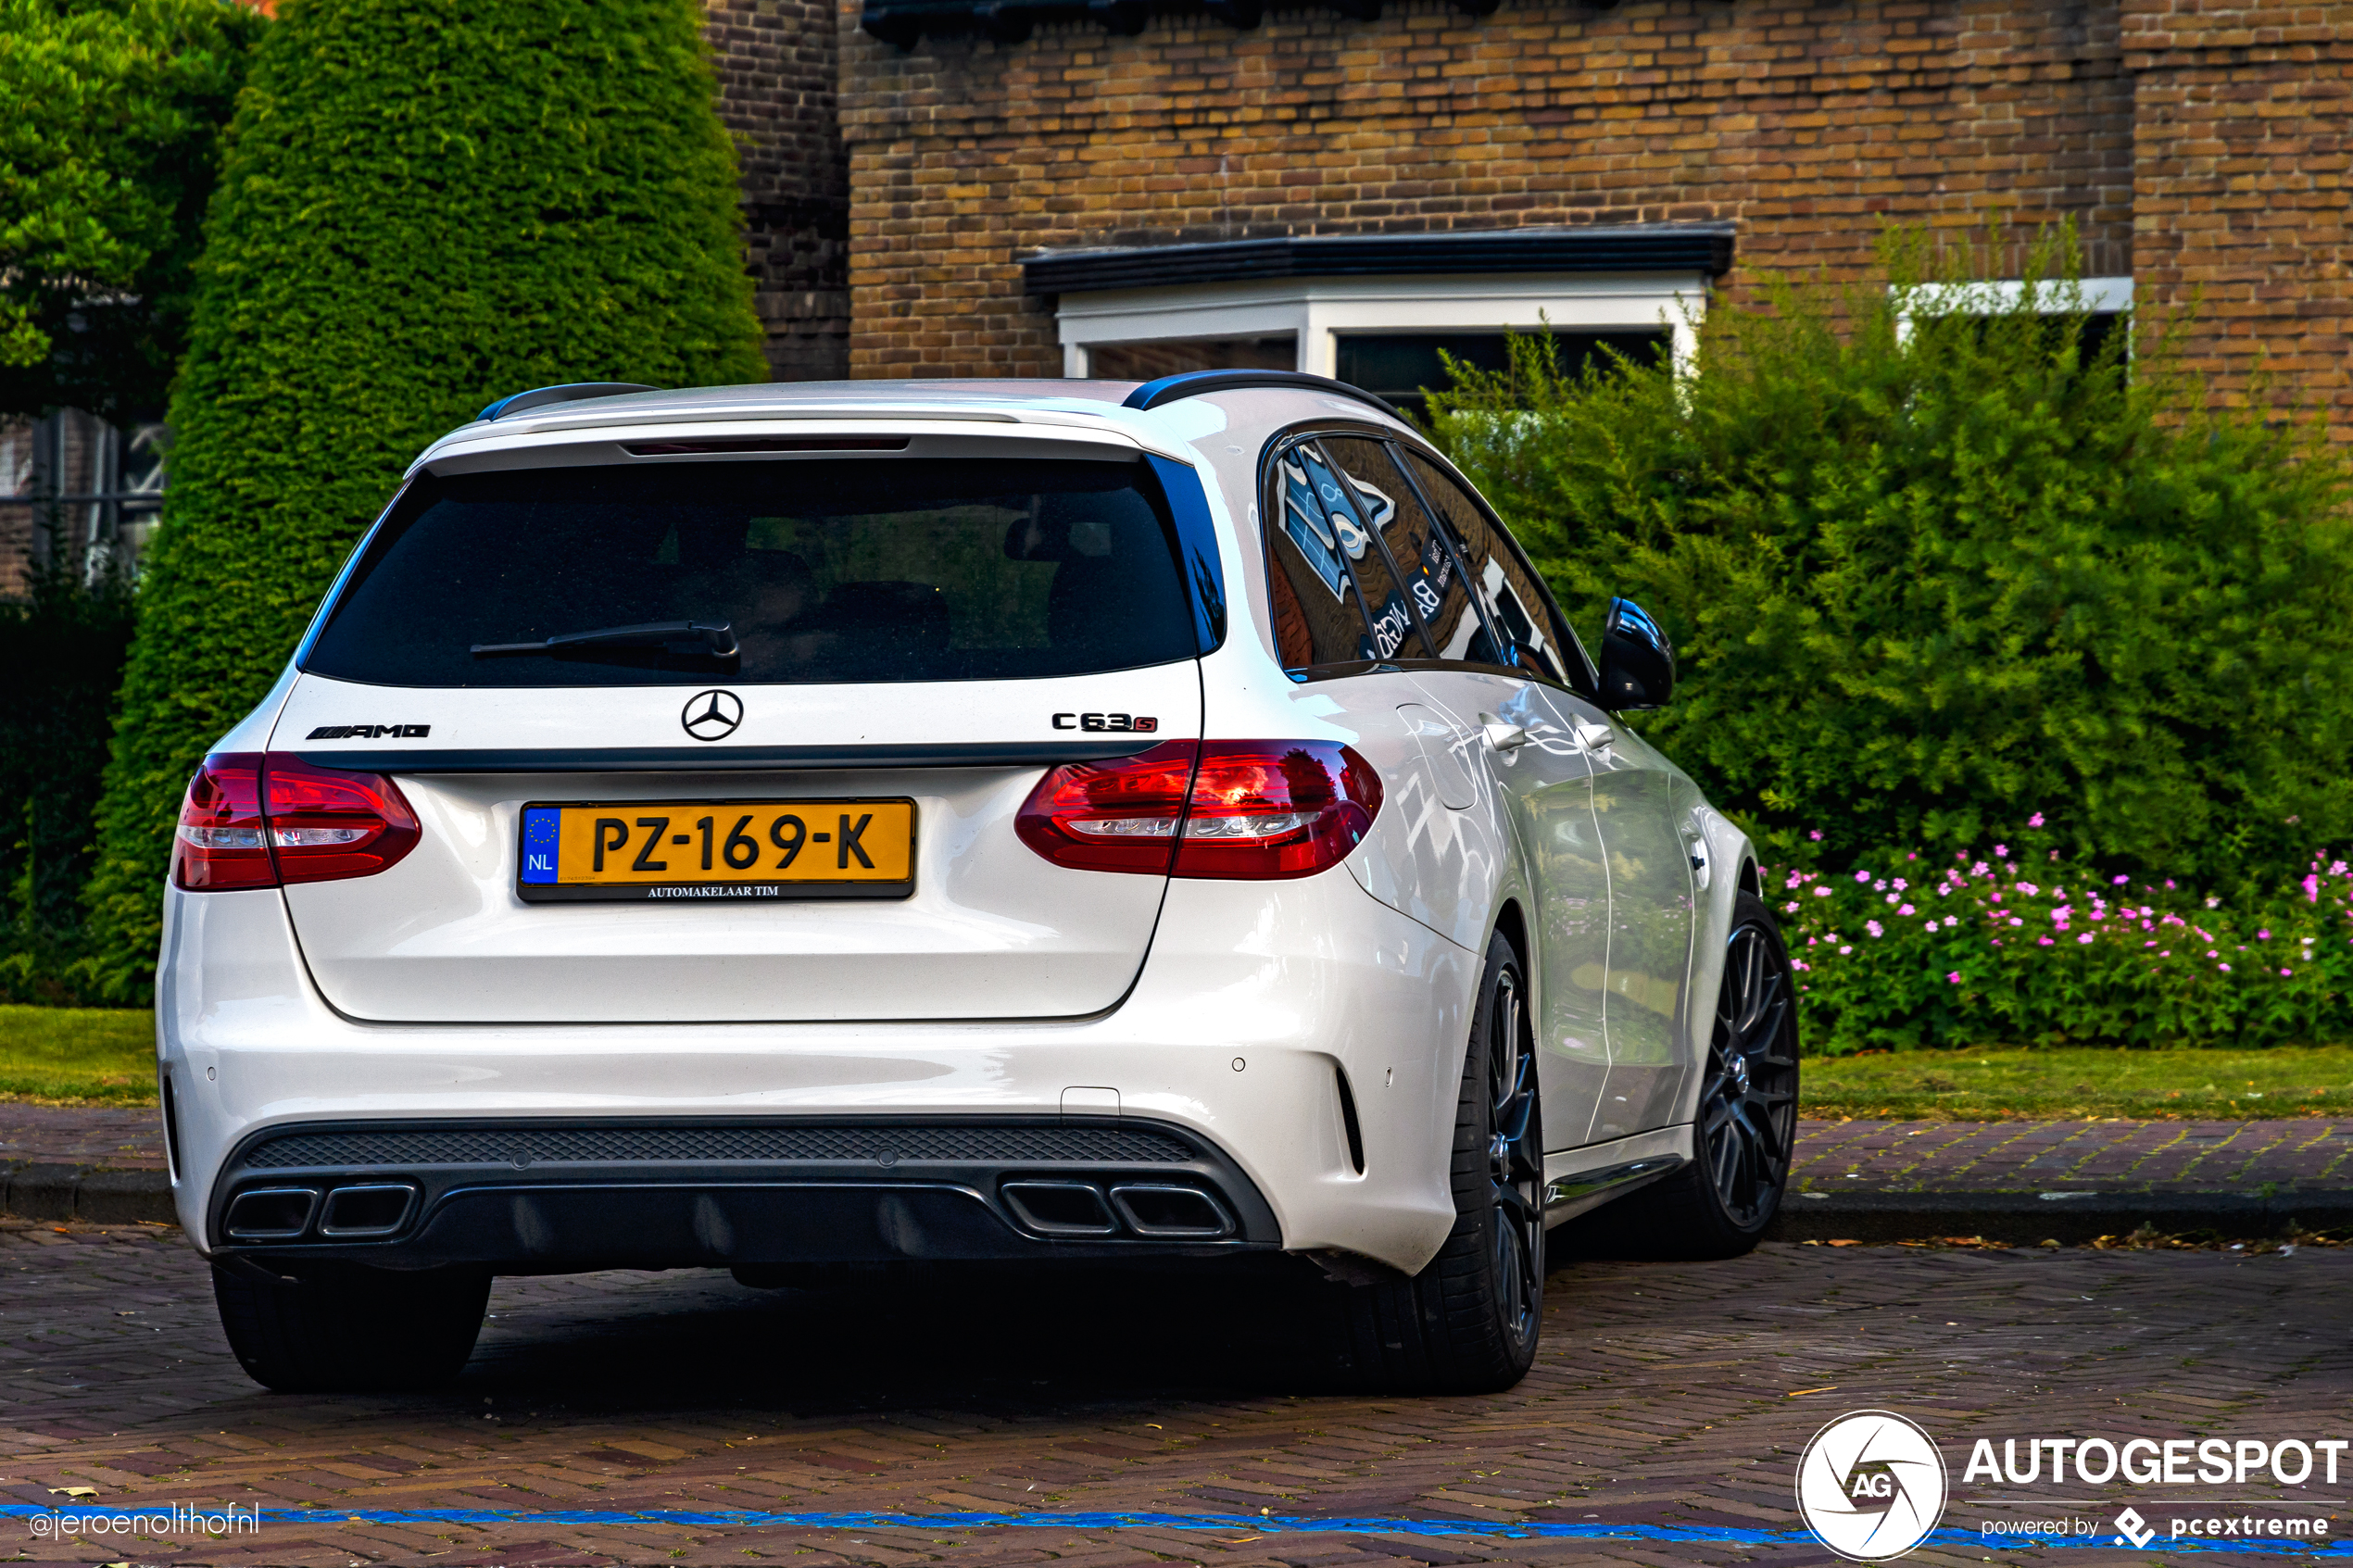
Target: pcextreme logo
{"type": "Point", "coordinates": [1870, 1485]}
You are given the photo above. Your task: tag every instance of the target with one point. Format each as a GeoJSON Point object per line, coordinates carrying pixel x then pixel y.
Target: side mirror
{"type": "Point", "coordinates": [1638, 662]}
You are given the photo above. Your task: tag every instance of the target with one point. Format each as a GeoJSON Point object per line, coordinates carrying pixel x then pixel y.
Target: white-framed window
{"type": "Point", "coordinates": [2104, 301]}
{"type": "Point", "coordinates": [1380, 333]}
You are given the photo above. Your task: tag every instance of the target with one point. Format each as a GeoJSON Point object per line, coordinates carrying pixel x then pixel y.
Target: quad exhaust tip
{"type": "Point", "coordinates": [1154, 1211]}
{"type": "Point", "coordinates": [365, 1211]}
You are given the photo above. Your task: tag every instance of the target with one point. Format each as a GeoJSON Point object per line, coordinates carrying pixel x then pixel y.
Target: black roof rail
{"type": "Point", "coordinates": [1193, 384]}
{"type": "Point", "coordinates": [539, 398]}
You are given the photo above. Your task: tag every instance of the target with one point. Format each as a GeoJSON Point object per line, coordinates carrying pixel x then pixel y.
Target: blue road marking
{"type": "Point", "coordinates": [1293, 1524]}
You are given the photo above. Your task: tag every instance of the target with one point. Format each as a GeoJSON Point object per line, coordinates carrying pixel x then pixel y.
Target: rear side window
{"type": "Point", "coordinates": [825, 571]}
{"type": "Point", "coordinates": [1318, 618]}
{"type": "Point", "coordinates": [1519, 604]}
{"type": "Point", "coordinates": [1431, 576]}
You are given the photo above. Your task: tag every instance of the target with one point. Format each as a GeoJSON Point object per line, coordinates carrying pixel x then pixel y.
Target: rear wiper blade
{"type": "Point", "coordinates": [718, 636]}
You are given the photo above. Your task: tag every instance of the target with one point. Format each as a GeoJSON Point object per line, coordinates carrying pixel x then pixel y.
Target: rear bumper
{"type": "Point", "coordinates": [555, 1195]}
{"type": "Point", "coordinates": [1257, 1002]}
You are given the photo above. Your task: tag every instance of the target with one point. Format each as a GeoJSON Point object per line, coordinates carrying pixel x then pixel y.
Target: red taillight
{"type": "Point", "coordinates": [252, 820]}
{"type": "Point", "coordinates": [1243, 811]}
{"type": "Point", "coordinates": [1111, 816]}
{"type": "Point", "coordinates": [221, 842]}
{"type": "Point", "coordinates": [1276, 808]}
{"type": "Point", "coordinates": [326, 824]}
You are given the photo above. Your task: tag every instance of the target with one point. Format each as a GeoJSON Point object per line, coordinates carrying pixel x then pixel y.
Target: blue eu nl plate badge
{"type": "Point", "coordinates": [539, 833]}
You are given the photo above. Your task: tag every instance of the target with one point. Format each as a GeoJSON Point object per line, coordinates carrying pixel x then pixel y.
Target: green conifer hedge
{"type": "Point", "coordinates": [423, 205]}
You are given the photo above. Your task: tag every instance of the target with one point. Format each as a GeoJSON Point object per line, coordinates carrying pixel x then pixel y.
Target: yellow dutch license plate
{"type": "Point", "coordinates": [664, 851]}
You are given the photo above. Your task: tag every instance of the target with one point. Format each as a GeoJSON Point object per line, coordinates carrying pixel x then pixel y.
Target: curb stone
{"type": "Point", "coordinates": [91, 1193]}
{"type": "Point", "coordinates": [2069, 1216]}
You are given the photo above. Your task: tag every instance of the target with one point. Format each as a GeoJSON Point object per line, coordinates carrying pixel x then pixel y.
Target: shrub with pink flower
{"type": "Point", "coordinates": [1943, 967]}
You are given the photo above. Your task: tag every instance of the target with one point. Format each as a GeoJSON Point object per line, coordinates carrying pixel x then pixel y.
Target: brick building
{"type": "Point", "coordinates": [1126, 188]}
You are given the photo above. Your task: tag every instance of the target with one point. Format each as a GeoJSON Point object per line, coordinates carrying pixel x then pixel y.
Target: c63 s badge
{"type": "Point", "coordinates": [1126, 723]}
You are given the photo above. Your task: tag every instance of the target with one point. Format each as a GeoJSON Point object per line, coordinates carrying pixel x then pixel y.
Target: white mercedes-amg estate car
{"type": "Point", "coordinates": [795, 828]}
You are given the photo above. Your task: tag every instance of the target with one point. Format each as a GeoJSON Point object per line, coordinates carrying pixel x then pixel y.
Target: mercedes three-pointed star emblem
{"type": "Point", "coordinates": [712, 715]}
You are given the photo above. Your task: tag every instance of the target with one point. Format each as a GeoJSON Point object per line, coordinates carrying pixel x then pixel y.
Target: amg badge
{"type": "Point", "coordinates": [371, 732]}
{"type": "Point", "coordinates": [1135, 723]}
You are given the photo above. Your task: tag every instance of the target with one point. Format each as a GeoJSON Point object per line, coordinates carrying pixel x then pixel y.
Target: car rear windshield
{"type": "Point", "coordinates": [823, 571]}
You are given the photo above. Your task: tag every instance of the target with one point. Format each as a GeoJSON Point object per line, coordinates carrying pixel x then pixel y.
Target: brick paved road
{"type": "Point", "coordinates": [2092, 1156]}
{"type": "Point", "coordinates": [130, 1139]}
{"type": "Point", "coordinates": [1666, 1395]}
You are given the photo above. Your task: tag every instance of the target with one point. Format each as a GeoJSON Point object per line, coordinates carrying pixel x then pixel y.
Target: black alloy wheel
{"type": "Point", "coordinates": [1719, 1204]}
{"type": "Point", "coordinates": [1468, 1321]}
{"type": "Point", "coordinates": [1514, 1161]}
{"type": "Point", "coordinates": [1748, 1099]}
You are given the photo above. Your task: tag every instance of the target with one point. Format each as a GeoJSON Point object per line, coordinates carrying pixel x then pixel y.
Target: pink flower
{"type": "Point", "coordinates": [2001, 851]}
{"type": "Point", "coordinates": [2167, 953]}
{"type": "Point", "coordinates": [1873, 927]}
{"type": "Point", "coordinates": [2148, 944]}
{"type": "Point", "coordinates": [2262, 937]}
{"type": "Point", "coordinates": [1821, 893]}
{"type": "Point", "coordinates": [1850, 947]}
{"type": "Point", "coordinates": [1905, 911]}
{"type": "Point", "coordinates": [2284, 974]}
{"type": "Point", "coordinates": [2029, 889]}
{"type": "Point", "coordinates": [1815, 835]}
{"type": "Point", "coordinates": [1954, 977]}
{"type": "Point", "coordinates": [1862, 876]}
{"type": "Point", "coordinates": [2042, 942]}
{"type": "Point", "coordinates": [2224, 968]}
{"type": "Point", "coordinates": [1790, 908]}
{"type": "Point", "coordinates": [2121, 881]}
{"type": "Point", "coordinates": [2036, 821]}
{"type": "Point", "coordinates": [2015, 921]}
{"type": "Point", "coordinates": [1895, 898]}
{"type": "Point", "coordinates": [2085, 937]}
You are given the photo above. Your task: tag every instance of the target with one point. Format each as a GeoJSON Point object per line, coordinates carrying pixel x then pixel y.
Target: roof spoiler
{"type": "Point", "coordinates": [1194, 384]}
{"type": "Point", "coordinates": [539, 398]}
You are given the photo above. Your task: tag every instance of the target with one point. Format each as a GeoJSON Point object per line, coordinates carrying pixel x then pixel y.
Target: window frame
{"type": "Point", "coordinates": [1319, 310]}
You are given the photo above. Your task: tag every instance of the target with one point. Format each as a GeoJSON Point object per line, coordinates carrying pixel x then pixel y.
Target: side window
{"type": "Point", "coordinates": [1318, 620]}
{"type": "Point", "coordinates": [1394, 634]}
{"type": "Point", "coordinates": [1518, 602]}
{"type": "Point", "coordinates": [1432, 579]}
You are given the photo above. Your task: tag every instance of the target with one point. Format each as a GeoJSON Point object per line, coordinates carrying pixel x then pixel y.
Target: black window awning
{"type": "Point", "coordinates": [1645, 247]}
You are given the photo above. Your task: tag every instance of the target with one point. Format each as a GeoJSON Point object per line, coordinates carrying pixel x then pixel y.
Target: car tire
{"type": "Point", "coordinates": [1745, 1132]}
{"type": "Point", "coordinates": [1467, 1323]}
{"type": "Point", "coordinates": [350, 1329]}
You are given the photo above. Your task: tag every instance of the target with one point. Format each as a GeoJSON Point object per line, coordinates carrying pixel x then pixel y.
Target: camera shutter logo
{"type": "Point", "coordinates": [1870, 1485]}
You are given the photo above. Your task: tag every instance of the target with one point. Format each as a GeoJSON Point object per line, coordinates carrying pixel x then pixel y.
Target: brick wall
{"type": "Point", "coordinates": [2243, 129]}
{"type": "Point", "coordinates": [776, 63]}
{"type": "Point", "coordinates": [1807, 124]}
